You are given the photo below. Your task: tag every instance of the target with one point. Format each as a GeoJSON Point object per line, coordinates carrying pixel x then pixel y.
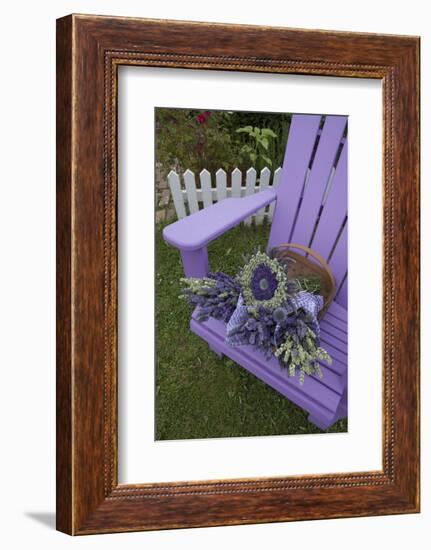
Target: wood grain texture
{"type": "Point", "coordinates": [64, 289]}
{"type": "Point", "coordinates": [89, 51]}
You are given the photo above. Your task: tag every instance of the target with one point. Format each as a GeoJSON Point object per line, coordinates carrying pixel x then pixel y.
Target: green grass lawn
{"type": "Point", "coordinates": [199, 395]}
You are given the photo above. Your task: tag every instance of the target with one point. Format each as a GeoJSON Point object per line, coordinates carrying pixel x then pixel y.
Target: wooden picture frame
{"type": "Point", "coordinates": [89, 51]}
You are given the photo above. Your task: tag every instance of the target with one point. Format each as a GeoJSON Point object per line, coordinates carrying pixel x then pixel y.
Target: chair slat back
{"type": "Point", "coordinates": [329, 142]}
{"type": "Point", "coordinates": [311, 204]}
{"type": "Point", "coordinates": [333, 221]}
{"type": "Point", "coordinates": [300, 144]}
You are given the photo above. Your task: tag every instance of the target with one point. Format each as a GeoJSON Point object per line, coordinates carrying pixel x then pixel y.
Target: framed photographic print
{"type": "Point", "coordinates": [237, 274]}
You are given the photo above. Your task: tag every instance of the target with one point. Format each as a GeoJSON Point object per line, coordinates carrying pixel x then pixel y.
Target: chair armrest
{"type": "Point", "coordinates": [198, 229]}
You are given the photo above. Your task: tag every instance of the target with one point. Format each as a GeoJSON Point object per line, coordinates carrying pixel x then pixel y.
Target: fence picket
{"type": "Point", "coordinates": [205, 178]}
{"type": "Point", "coordinates": [177, 195]}
{"type": "Point", "coordinates": [189, 180]}
{"type": "Point", "coordinates": [236, 183]}
{"type": "Point", "coordinates": [221, 185]}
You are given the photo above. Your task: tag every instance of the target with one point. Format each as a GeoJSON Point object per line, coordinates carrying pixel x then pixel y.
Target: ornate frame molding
{"type": "Point", "coordinates": [89, 498]}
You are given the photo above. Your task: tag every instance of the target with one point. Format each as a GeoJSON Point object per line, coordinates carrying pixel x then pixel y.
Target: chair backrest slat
{"type": "Point", "coordinates": [300, 144]}
{"type": "Point", "coordinates": [334, 211]}
{"type": "Point", "coordinates": [321, 169]}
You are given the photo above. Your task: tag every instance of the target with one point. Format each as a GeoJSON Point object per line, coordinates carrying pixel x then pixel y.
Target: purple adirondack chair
{"type": "Point", "coordinates": [311, 209]}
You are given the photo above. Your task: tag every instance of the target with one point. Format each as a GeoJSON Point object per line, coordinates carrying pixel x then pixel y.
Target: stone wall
{"type": "Point", "coordinates": [165, 210]}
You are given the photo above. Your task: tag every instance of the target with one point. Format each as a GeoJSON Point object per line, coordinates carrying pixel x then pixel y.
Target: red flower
{"type": "Point", "coordinates": [203, 117]}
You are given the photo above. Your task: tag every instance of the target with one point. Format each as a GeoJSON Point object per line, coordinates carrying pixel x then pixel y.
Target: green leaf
{"type": "Point", "coordinates": [268, 132]}
{"type": "Point", "coordinates": [246, 130]}
{"type": "Point", "coordinates": [265, 143]}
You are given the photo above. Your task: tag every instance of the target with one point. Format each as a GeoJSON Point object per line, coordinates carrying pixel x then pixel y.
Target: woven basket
{"type": "Point", "coordinates": [300, 266]}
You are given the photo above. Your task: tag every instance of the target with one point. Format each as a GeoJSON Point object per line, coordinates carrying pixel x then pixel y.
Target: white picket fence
{"type": "Point", "coordinates": [189, 198]}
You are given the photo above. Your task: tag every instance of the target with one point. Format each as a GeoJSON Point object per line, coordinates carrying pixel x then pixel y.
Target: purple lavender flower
{"type": "Point", "coordinates": [216, 295]}
{"type": "Point", "coordinates": [263, 283]}
{"type": "Point", "coordinates": [261, 308]}
{"type": "Point", "coordinates": [279, 315]}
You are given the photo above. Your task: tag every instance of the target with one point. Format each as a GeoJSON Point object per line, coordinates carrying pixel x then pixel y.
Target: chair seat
{"type": "Point", "coordinates": [324, 397]}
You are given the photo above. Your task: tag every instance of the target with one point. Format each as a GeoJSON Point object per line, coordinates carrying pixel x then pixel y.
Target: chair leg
{"type": "Point", "coordinates": [321, 422]}
{"type": "Point", "coordinates": [324, 422]}
{"type": "Point", "coordinates": [342, 408]}
{"type": "Point", "coordinates": [195, 262]}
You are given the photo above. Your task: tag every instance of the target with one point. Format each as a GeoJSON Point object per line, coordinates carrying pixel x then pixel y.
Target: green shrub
{"type": "Point", "coordinates": [195, 139]}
